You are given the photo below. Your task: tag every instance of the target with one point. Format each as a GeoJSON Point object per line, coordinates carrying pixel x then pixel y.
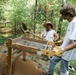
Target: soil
{"type": "Point", "coordinates": [20, 67]}
{"type": "Point", "coordinates": [27, 67]}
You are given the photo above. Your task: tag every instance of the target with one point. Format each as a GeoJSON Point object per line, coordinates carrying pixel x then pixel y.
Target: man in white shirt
{"type": "Point", "coordinates": [49, 33]}
{"type": "Point", "coordinates": [68, 13]}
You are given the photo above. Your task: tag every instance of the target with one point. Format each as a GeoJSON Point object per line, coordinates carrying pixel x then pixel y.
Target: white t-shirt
{"type": "Point", "coordinates": [49, 35]}
{"type": "Point", "coordinates": [69, 37]}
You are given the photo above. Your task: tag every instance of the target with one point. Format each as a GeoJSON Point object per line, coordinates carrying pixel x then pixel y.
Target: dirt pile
{"type": "Point", "coordinates": [27, 67]}
{"type": "Point", "coordinates": [20, 67]}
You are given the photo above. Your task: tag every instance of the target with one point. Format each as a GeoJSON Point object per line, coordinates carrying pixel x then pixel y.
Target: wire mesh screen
{"type": "Point", "coordinates": [35, 44]}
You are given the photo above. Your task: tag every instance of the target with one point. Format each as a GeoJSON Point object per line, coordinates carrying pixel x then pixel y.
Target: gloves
{"type": "Point", "coordinates": [58, 51]}
{"type": "Point", "coordinates": [51, 43]}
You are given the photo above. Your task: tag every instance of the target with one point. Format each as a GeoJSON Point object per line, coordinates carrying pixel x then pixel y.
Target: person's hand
{"type": "Point", "coordinates": [51, 43]}
{"type": "Point", "coordinates": [58, 51]}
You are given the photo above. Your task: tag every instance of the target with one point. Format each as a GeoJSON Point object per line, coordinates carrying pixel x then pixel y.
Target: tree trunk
{"type": "Point", "coordinates": [60, 20]}
{"type": "Point", "coordinates": [52, 15]}
{"type": "Point", "coordinates": [35, 14]}
{"type": "Point", "coordinates": [15, 26]}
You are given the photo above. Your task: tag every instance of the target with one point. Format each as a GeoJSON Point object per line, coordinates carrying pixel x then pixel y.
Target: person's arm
{"type": "Point", "coordinates": [72, 38]}
{"type": "Point", "coordinates": [56, 36]}
{"type": "Point", "coordinates": [41, 35]}
{"type": "Point", "coordinates": [69, 47]}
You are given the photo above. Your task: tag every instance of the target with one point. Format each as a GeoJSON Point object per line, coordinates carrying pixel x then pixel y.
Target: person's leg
{"type": "Point", "coordinates": [64, 67]}
{"type": "Point", "coordinates": [54, 60]}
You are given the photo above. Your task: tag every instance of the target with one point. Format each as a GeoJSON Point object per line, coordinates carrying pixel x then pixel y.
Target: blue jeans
{"type": "Point", "coordinates": [63, 66]}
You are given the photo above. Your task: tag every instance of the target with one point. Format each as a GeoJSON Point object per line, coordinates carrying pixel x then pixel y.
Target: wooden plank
{"type": "Point", "coordinates": [9, 65]}
{"type": "Point", "coordinates": [34, 50]}
{"type": "Point", "coordinates": [25, 48]}
{"type": "Point", "coordinates": [35, 40]}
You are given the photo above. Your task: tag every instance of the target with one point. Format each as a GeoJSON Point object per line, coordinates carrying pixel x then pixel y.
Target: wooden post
{"type": "Point", "coordinates": [24, 55]}
{"type": "Point", "coordinates": [9, 65]}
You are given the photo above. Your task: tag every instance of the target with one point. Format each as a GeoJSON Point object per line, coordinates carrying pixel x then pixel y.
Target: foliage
{"type": "Point", "coordinates": [17, 11]}
{"type": "Point", "coordinates": [23, 10]}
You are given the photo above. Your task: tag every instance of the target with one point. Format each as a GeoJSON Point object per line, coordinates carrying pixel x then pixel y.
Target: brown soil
{"type": "Point", "coordinates": [20, 67]}
{"type": "Point", "coordinates": [27, 67]}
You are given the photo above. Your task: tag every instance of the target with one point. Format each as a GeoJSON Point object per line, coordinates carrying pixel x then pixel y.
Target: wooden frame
{"type": "Point", "coordinates": [10, 58]}
{"type": "Point", "coordinates": [15, 44]}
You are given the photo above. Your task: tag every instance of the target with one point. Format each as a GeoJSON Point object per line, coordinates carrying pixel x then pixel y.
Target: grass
{"type": "Point", "coordinates": [72, 63]}
{"type": "Point", "coordinates": [45, 65]}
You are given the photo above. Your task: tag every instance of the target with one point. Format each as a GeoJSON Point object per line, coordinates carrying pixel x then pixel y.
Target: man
{"type": "Point", "coordinates": [48, 33]}
{"type": "Point", "coordinates": [68, 13]}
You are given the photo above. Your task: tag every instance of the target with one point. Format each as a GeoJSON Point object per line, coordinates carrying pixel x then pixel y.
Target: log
{"type": "Point", "coordinates": [25, 48]}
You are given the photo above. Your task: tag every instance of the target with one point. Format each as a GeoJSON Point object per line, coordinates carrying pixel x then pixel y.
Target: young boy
{"type": "Point", "coordinates": [68, 13]}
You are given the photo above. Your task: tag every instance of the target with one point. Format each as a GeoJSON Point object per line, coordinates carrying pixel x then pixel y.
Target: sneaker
{"type": "Point", "coordinates": [72, 68]}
